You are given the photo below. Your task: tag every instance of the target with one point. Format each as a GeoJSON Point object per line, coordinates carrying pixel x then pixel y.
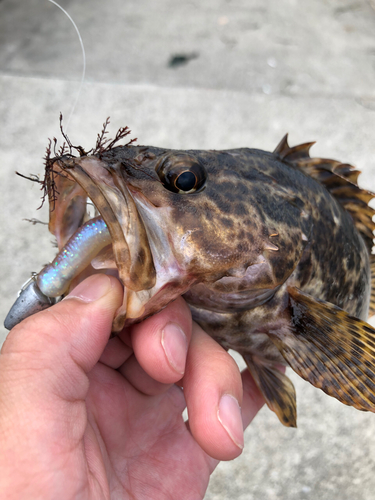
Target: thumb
{"type": "Point", "coordinates": [51, 352]}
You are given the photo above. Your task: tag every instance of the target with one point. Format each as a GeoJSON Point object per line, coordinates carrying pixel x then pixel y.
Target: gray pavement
{"type": "Point", "coordinates": [260, 69]}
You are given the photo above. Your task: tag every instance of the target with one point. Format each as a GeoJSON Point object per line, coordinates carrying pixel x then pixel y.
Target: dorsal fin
{"type": "Point", "coordinates": [340, 179]}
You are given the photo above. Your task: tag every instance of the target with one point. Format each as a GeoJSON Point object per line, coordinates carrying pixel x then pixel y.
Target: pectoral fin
{"type": "Point", "coordinates": [330, 349]}
{"type": "Point", "coordinates": [277, 390]}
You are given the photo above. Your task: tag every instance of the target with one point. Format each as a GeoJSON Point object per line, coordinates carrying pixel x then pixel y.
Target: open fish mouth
{"type": "Point", "coordinates": [114, 240]}
{"type": "Point", "coordinates": [124, 236]}
{"type": "Point", "coordinates": [104, 221]}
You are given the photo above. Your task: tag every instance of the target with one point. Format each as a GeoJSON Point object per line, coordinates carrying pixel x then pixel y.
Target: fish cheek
{"type": "Point", "coordinates": [202, 241]}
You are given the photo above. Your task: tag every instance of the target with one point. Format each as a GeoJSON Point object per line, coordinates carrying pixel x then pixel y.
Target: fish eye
{"type": "Point", "coordinates": [186, 181]}
{"type": "Point", "coordinates": [181, 173]}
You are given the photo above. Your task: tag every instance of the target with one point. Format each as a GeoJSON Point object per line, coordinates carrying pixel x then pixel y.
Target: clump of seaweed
{"type": "Point", "coordinates": [67, 149]}
{"type": "Point", "coordinates": [104, 145]}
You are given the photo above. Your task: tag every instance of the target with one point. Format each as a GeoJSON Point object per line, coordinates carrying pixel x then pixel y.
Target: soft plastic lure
{"type": "Point", "coordinates": [45, 289]}
{"type": "Point", "coordinates": [77, 254]}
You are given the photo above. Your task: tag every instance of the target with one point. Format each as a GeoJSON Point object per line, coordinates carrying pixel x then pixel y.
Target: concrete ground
{"type": "Point", "coordinates": [215, 74]}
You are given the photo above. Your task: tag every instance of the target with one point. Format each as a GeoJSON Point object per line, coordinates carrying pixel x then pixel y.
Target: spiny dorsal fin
{"type": "Point", "coordinates": [330, 349]}
{"type": "Point", "coordinates": [340, 179]}
{"type": "Point", "coordinates": [292, 154]}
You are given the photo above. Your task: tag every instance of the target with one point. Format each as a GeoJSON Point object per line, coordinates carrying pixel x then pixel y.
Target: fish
{"type": "Point", "coordinates": [272, 251]}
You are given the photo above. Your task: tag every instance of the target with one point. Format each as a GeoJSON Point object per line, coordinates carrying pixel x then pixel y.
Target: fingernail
{"type": "Point", "coordinates": [91, 289]}
{"type": "Point", "coordinates": [174, 343]}
{"type": "Point", "coordinates": [229, 415]}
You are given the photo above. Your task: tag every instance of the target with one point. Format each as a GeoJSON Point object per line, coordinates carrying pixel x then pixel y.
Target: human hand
{"type": "Point", "coordinates": [82, 417]}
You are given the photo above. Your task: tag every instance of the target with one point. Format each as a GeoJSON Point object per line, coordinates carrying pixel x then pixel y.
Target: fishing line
{"type": "Point", "coordinates": [84, 62]}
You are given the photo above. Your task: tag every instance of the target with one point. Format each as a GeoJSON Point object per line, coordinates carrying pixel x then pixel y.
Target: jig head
{"type": "Point", "coordinates": [30, 300]}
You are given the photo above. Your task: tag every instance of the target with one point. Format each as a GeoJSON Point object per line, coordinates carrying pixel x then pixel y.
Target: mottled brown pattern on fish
{"type": "Point", "coordinates": [272, 255]}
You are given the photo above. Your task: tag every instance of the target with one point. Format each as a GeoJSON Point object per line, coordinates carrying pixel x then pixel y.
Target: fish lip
{"type": "Point", "coordinates": [113, 201]}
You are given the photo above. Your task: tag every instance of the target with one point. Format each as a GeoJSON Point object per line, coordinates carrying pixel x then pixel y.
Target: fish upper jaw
{"type": "Point", "coordinates": [114, 203]}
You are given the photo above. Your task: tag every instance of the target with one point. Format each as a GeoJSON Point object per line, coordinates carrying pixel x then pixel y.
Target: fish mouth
{"type": "Point", "coordinates": [82, 189]}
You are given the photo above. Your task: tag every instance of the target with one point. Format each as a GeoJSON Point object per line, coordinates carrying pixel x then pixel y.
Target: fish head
{"type": "Point", "coordinates": [176, 219]}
